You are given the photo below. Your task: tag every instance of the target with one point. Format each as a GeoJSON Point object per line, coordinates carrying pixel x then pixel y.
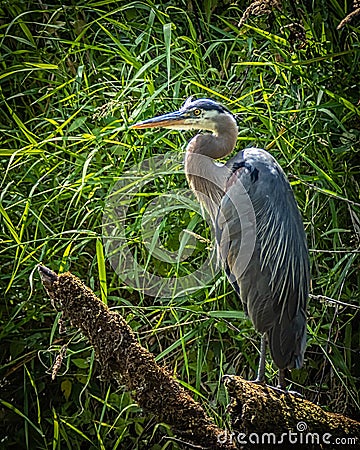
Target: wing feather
{"type": "Point", "coordinates": [273, 281]}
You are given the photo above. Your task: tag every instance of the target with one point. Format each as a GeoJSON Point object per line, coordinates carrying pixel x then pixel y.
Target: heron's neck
{"type": "Point", "coordinates": [206, 177]}
{"type": "Point", "coordinates": [218, 144]}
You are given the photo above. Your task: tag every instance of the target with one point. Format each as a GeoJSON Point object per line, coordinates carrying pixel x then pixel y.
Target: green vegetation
{"type": "Point", "coordinates": [73, 77]}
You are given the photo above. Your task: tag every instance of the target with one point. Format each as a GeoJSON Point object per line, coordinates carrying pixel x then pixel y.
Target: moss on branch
{"type": "Point", "coordinates": [253, 409]}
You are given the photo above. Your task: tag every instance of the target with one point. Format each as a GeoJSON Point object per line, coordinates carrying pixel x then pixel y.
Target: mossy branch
{"type": "Point", "coordinates": [121, 357]}
{"type": "Point", "coordinates": [260, 409]}
{"type": "Point", "coordinates": [253, 409]}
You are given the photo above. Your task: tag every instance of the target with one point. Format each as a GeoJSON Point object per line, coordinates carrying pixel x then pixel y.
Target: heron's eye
{"type": "Point", "coordinates": [197, 112]}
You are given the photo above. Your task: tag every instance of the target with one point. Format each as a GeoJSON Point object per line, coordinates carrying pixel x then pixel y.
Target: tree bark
{"type": "Point", "coordinates": [122, 358]}
{"type": "Point", "coordinates": [259, 410]}
{"type": "Point", "coordinates": [254, 409]}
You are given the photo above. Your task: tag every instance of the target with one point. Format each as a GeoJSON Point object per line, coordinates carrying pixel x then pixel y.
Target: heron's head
{"type": "Point", "coordinates": [201, 114]}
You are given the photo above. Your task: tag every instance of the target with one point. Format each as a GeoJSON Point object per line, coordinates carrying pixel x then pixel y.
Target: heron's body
{"type": "Point", "coordinates": [259, 231]}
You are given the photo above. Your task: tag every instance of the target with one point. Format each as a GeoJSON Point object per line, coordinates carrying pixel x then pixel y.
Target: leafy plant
{"type": "Point", "coordinates": [73, 78]}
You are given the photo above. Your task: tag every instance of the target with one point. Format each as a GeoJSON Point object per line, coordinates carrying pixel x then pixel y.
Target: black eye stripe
{"type": "Point", "coordinates": [209, 105]}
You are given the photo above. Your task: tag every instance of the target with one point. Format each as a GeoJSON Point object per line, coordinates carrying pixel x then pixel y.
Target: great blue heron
{"type": "Point", "coordinates": [273, 286]}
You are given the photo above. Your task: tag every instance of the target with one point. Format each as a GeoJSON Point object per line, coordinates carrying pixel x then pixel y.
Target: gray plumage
{"type": "Point", "coordinates": [259, 232]}
{"type": "Point", "coordinates": [274, 285]}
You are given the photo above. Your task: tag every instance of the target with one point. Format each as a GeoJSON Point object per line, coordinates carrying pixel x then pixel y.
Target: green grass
{"type": "Point", "coordinates": [73, 78]}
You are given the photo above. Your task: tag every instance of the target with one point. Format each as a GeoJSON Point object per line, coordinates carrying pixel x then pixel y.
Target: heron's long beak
{"type": "Point", "coordinates": [171, 120]}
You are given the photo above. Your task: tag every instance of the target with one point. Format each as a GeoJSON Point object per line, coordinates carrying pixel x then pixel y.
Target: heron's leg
{"type": "Point", "coordinates": [281, 387]}
{"type": "Point", "coordinates": [261, 370]}
{"type": "Point", "coordinates": [282, 384]}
